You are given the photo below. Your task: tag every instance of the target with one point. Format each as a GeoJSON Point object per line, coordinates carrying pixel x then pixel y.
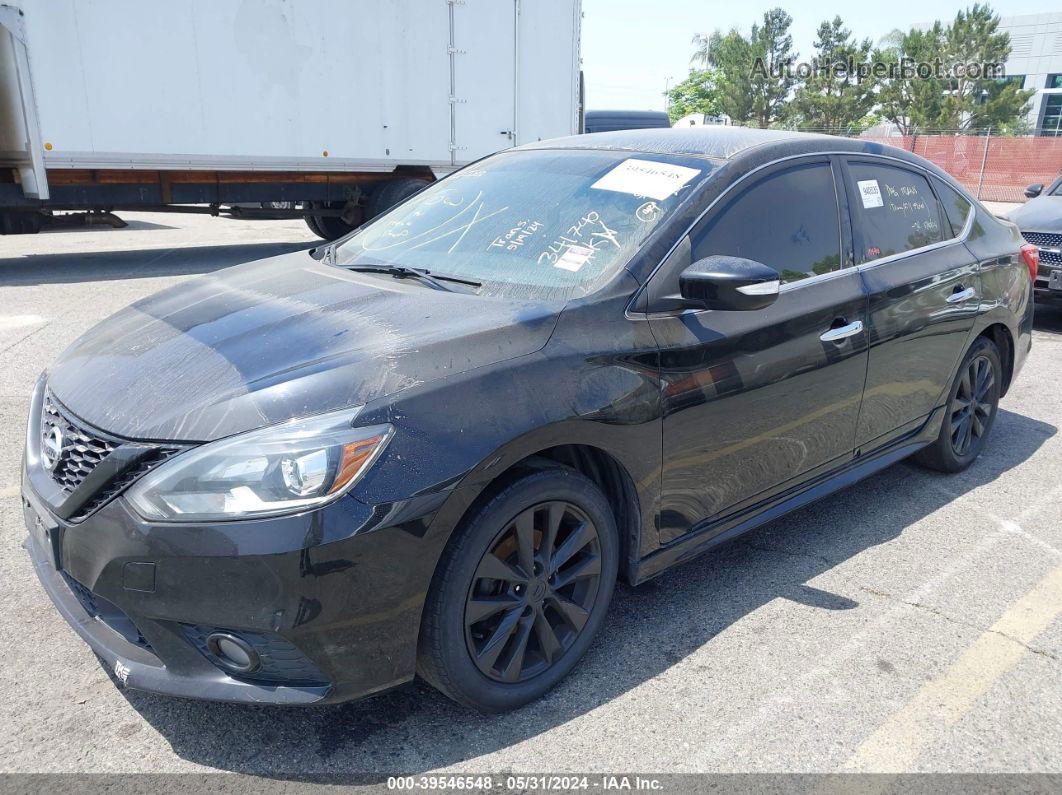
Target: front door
{"type": "Point", "coordinates": [924, 291]}
{"type": "Point", "coordinates": [758, 401]}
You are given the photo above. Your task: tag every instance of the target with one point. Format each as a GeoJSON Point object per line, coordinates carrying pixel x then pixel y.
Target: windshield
{"type": "Point", "coordinates": [537, 224]}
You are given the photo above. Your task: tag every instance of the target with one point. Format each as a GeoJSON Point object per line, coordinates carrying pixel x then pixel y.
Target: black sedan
{"type": "Point", "coordinates": [431, 448]}
{"type": "Point", "coordinates": [1040, 222]}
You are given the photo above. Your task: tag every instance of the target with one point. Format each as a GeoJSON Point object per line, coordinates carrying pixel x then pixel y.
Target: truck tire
{"type": "Point", "coordinates": [387, 195]}
{"type": "Point", "coordinates": [14, 222]}
{"type": "Point", "coordinates": [311, 221]}
{"type": "Point", "coordinates": [329, 227]}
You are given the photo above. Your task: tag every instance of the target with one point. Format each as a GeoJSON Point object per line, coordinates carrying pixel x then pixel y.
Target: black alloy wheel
{"type": "Point", "coordinates": [970, 411]}
{"type": "Point", "coordinates": [973, 404]}
{"type": "Point", "coordinates": [521, 589]}
{"type": "Point", "coordinates": [533, 591]}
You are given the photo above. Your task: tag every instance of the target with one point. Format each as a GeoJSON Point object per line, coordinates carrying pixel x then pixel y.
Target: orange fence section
{"type": "Point", "coordinates": [992, 168]}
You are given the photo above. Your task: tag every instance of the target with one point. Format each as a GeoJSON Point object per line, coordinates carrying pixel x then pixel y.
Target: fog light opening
{"type": "Point", "coordinates": [233, 652]}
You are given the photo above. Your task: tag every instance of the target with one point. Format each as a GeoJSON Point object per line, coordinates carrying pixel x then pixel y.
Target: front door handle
{"type": "Point", "coordinates": [961, 295]}
{"type": "Point", "coordinates": [842, 332]}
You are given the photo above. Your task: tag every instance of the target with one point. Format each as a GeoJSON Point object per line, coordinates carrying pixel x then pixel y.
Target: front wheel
{"type": "Point", "coordinates": [520, 592]}
{"type": "Point", "coordinates": [971, 411]}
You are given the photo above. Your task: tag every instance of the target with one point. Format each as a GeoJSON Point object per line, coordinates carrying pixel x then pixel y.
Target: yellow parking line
{"type": "Point", "coordinates": [943, 701]}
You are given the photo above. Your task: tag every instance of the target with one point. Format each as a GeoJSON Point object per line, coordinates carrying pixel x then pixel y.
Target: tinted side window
{"type": "Point", "coordinates": [894, 209]}
{"type": "Point", "coordinates": [956, 206]}
{"type": "Point", "coordinates": [787, 221]}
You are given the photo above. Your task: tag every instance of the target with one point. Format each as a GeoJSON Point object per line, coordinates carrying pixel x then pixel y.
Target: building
{"type": "Point", "coordinates": [1036, 57]}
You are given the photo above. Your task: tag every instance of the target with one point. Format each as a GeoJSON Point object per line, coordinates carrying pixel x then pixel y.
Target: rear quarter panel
{"type": "Point", "coordinates": [1006, 287]}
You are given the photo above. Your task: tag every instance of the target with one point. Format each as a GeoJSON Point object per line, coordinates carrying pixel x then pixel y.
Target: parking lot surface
{"type": "Point", "coordinates": [911, 623]}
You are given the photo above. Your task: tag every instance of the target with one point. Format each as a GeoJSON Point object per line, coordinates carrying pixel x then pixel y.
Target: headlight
{"type": "Point", "coordinates": [281, 469]}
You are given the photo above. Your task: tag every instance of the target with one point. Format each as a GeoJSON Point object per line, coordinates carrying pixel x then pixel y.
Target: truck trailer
{"type": "Point", "coordinates": [333, 110]}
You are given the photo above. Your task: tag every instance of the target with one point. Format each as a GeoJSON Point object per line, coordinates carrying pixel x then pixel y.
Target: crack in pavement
{"type": "Point", "coordinates": [885, 595]}
{"type": "Point", "coordinates": [957, 621]}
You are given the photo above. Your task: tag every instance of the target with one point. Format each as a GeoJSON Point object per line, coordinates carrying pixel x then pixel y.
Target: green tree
{"type": "Point", "coordinates": [837, 93]}
{"type": "Point", "coordinates": [772, 50]}
{"type": "Point", "coordinates": [752, 80]}
{"type": "Point", "coordinates": [979, 101]}
{"type": "Point", "coordinates": [910, 101]}
{"type": "Point", "coordinates": [696, 94]}
{"type": "Point", "coordinates": [918, 99]}
{"type": "Point", "coordinates": [730, 56]}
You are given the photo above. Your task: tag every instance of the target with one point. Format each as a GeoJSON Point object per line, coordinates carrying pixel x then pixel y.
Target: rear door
{"type": "Point", "coordinates": [924, 292]}
{"type": "Point", "coordinates": [756, 402]}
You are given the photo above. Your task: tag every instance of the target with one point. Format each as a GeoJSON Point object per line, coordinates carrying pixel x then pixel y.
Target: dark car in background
{"type": "Point", "coordinates": [431, 448]}
{"type": "Point", "coordinates": [1040, 222]}
{"type": "Point", "coordinates": [597, 121]}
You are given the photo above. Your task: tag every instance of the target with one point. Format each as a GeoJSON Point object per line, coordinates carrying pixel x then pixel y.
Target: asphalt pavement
{"type": "Point", "coordinates": [911, 623]}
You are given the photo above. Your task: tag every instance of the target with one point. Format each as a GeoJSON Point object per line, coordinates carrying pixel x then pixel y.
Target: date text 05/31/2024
{"type": "Point", "coordinates": [524, 783]}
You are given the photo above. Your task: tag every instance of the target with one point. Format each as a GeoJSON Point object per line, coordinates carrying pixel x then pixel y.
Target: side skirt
{"type": "Point", "coordinates": [714, 532]}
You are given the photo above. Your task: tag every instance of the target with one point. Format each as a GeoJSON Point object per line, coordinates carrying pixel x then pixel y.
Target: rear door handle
{"type": "Point", "coordinates": [961, 295]}
{"type": "Point", "coordinates": [842, 332]}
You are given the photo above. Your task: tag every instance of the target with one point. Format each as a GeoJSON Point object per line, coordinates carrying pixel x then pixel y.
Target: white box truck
{"type": "Point", "coordinates": [330, 109]}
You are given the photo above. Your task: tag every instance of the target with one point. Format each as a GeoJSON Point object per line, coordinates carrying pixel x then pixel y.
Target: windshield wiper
{"type": "Point", "coordinates": [402, 272]}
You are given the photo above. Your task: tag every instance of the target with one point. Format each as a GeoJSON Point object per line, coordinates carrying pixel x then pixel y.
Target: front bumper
{"type": "Point", "coordinates": [1048, 284]}
{"type": "Point", "coordinates": [336, 594]}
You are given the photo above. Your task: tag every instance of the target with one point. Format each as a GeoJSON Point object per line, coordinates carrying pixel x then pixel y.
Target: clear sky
{"type": "Point", "coordinates": [632, 47]}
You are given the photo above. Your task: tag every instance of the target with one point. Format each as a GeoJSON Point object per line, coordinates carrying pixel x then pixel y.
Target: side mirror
{"type": "Point", "coordinates": [1034, 190]}
{"type": "Point", "coordinates": [731, 283]}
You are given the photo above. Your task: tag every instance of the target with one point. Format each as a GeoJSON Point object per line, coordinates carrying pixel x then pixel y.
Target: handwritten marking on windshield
{"type": "Point", "coordinates": [517, 236]}
{"type": "Point", "coordinates": [461, 231]}
{"type": "Point", "coordinates": [574, 237]}
{"type": "Point", "coordinates": [403, 228]}
{"type": "Point", "coordinates": [648, 212]}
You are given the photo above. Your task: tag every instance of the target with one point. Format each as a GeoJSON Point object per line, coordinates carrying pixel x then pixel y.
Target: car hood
{"type": "Point", "coordinates": [281, 338]}
{"type": "Point", "coordinates": [1042, 214]}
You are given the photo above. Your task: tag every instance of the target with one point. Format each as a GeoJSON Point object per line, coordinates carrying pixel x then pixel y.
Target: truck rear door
{"type": "Point", "coordinates": [484, 35]}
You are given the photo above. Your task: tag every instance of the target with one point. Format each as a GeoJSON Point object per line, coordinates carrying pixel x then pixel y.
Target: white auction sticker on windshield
{"type": "Point", "coordinates": [870, 193]}
{"type": "Point", "coordinates": [574, 258]}
{"type": "Point", "coordinates": [646, 178]}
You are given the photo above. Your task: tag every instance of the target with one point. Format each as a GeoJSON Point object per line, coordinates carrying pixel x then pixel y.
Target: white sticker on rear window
{"type": "Point", "coordinates": [870, 193]}
{"type": "Point", "coordinates": [646, 178]}
{"type": "Point", "coordinates": [574, 258]}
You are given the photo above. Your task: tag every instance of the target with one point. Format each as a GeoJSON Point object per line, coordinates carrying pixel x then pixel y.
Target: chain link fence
{"type": "Point", "coordinates": [992, 167]}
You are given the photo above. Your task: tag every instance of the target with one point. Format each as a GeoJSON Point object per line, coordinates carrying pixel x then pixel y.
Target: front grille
{"type": "Point", "coordinates": [1046, 240]}
{"type": "Point", "coordinates": [83, 450]}
{"type": "Point", "coordinates": [1049, 239]}
{"type": "Point", "coordinates": [119, 484]}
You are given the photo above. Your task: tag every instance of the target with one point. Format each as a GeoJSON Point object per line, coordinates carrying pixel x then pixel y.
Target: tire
{"type": "Point", "coordinates": [329, 227]}
{"type": "Point", "coordinates": [311, 221]}
{"type": "Point", "coordinates": [20, 223]}
{"type": "Point", "coordinates": [973, 402]}
{"type": "Point", "coordinates": [492, 637]}
{"type": "Point", "coordinates": [387, 195]}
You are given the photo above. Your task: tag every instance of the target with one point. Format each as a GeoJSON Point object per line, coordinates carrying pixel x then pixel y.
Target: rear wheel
{"type": "Point", "coordinates": [387, 195]}
{"type": "Point", "coordinates": [311, 221]}
{"type": "Point", "coordinates": [971, 411]}
{"type": "Point", "coordinates": [330, 227]}
{"type": "Point", "coordinates": [521, 591]}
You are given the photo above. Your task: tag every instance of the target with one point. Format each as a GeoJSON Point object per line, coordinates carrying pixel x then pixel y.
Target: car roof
{"type": "Point", "coordinates": [738, 148]}
{"type": "Point", "coordinates": [720, 142]}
